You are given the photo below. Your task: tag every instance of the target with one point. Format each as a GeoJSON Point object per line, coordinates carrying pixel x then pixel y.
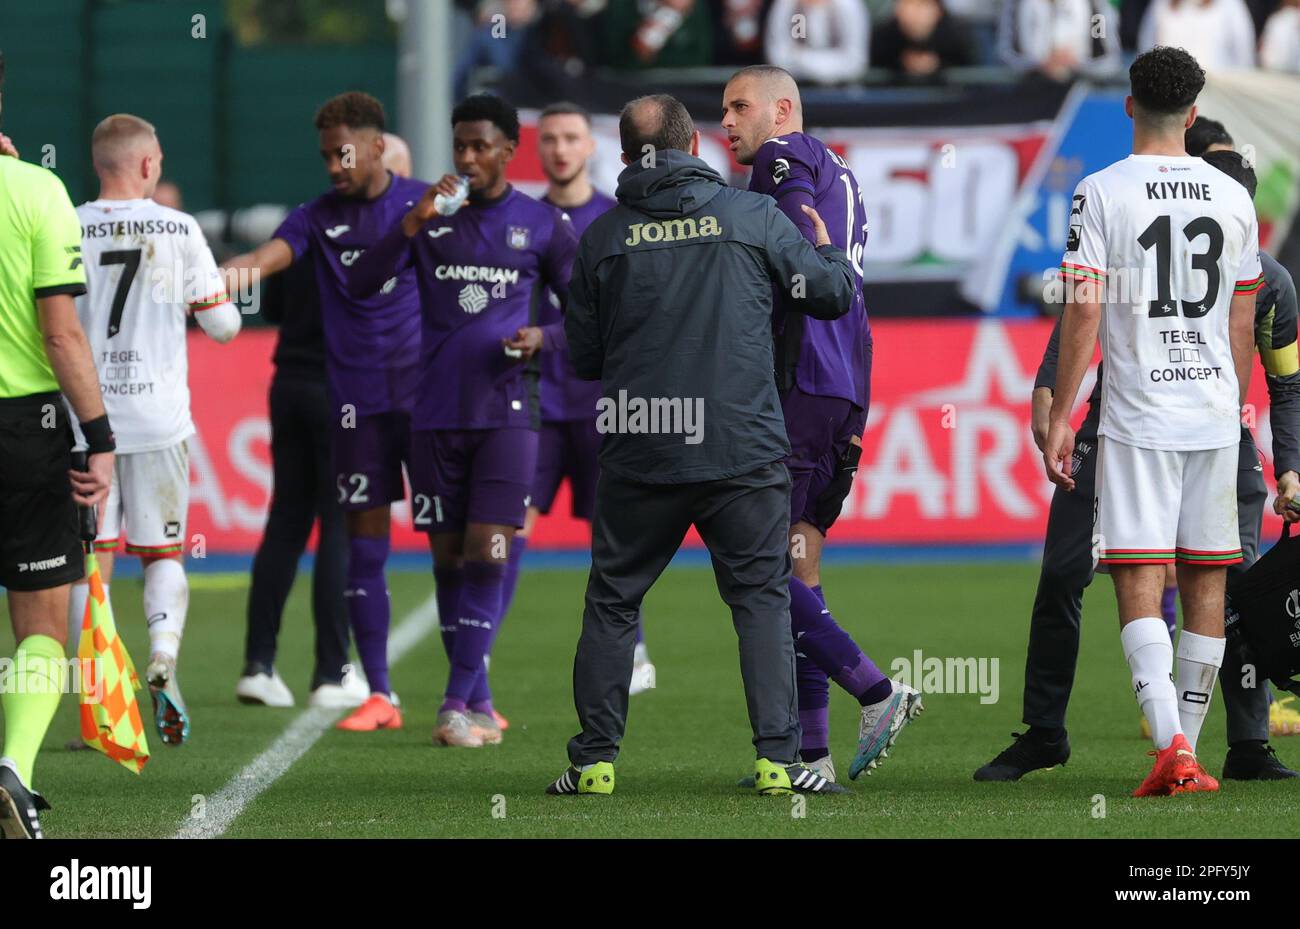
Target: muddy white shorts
{"type": "Point", "coordinates": [1158, 507]}
{"type": "Point", "coordinates": [149, 499]}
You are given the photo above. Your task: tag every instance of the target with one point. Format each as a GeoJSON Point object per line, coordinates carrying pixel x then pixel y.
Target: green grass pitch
{"type": "Point", "coordinates": [687, 743]}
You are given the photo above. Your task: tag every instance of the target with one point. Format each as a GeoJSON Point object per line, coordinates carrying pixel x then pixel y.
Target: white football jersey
{"type": "Point", "coordinates": [1171, 240]}
{"type": "Point", "coordinates": [147, 267]}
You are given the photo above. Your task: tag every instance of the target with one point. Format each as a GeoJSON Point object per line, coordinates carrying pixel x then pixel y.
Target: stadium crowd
{"type": "Point", "coordinates": [841, 42]}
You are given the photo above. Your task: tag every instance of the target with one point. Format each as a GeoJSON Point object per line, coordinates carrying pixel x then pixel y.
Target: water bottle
{"type": "Point", "coordinates": [445, 206]}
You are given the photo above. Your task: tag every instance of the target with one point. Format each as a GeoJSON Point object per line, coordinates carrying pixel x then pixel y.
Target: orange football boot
{"type": "Point", "coordinates": [502, 723]}
{"type": "Point", "coordinates": [1176, 771]}
{"type": "Point", "coordinates": [378, 712]}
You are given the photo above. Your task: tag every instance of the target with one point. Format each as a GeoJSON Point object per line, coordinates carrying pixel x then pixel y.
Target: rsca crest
{"type": "Point", "coordinates": [473, 299]}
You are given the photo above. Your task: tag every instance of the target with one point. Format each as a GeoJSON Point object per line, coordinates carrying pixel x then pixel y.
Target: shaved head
{"type": "Point", "coordinates": [397, 155]}
{"type": "Point", "coordinates": [127, 157]}
{"type": "Point", "coordinates": [773, 82]}
{"type": "Point", "coordinates": [759, 103]}
{"type": "Point", "coordinates": [120, 141]}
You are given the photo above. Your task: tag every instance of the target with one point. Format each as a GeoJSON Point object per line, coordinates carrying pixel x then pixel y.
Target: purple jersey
{"type": "Point", "coordinates": [564, 396]}
{"type": "Point", "coordinates": [482, 274]}
{"type": "Point", "coordinates": [372, 345]}
{"type": "Point", "coordinates": [798, 169]}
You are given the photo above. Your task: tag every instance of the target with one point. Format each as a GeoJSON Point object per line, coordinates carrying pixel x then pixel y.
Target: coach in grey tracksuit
{"type": "Point", "coordinates": [670, 308]}
{"type": "Point", "coordinates": [1067, 553]}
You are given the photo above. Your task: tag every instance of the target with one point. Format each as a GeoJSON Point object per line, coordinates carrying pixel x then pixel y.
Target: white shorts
{"type": "Point", "coordinates": [151, 495]}
{"type": "Point", "coordinates": [1158, 507]}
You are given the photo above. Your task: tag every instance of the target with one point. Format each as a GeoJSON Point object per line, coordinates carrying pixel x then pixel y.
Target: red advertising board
{"type": "Point", "coordinates": [947, 455]}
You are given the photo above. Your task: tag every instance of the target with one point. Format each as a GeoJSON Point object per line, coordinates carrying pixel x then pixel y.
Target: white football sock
{"type": "Point", "coordinates": [1199, 660]}
{"type": "Point", "coordinates": [640, 655]}
{"type": "Point", "coordinates": [166, 599]}
{"type": "Point", "coordinates": [1150, 656]}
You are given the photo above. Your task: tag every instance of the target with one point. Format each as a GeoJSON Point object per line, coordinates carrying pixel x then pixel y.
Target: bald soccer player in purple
{"type": "Point", "coordinates": [483, 271]}
{"type": "Point", "coordinates": [824, 375]}
{"type": "Point", "coordinates": [372, 347]}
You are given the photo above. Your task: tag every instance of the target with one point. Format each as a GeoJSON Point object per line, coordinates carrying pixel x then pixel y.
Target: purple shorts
{"type": "Point", "coordinates": [461, 476]}
{"type": "Point", "coordinates": [368, 459]}
{"type": "Point", "coordinates": [821, 430]}
{"type": "Point", "coordinates": [568, 449]}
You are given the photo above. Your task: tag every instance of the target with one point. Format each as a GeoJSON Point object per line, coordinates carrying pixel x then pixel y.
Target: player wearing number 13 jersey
{"type": "Point", "coordinates": [148, 267]}
{"type": "Point", "coordinates": [1163, 258]}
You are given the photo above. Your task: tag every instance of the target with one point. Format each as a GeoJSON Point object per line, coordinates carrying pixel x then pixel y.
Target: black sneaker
{"type": "Point", "coordinates": [1254, 761]}
{"type": "Point", "coordinates": [1029, 752]}
{"type": "Point", "coordinates": [18, 806]}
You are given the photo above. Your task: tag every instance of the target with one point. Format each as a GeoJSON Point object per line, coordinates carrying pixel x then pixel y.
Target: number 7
{"type": "Point", "coordinates": [130, 258]}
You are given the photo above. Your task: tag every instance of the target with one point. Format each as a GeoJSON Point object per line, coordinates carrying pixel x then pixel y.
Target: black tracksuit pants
{"type": "Point", "coordinates": [745, 522]}
{"type": "Point", "coordinates": [303, 492]}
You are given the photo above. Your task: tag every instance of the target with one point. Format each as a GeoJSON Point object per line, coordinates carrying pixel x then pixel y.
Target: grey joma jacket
{"type": "Point", "coordinates": [670, 308]}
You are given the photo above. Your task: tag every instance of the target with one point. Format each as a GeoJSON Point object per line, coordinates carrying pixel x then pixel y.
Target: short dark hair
{"type": "Point", "coordinates": [1165, 80]}
{"type": "Point", "coordinates": [1203, 133]}
{"type": "Point", "coordinates": [354, 109]}
{"type": "Point", "coordinates": [763, 71]}
{"type": "Point", "coordinates": [488, 107]}
{"type": "Point", "coordinates": [669, 126]}
{"type": "Point", "coordinates": [1234, 165]}
{"type": "Point", "coordinates": [563, 108]}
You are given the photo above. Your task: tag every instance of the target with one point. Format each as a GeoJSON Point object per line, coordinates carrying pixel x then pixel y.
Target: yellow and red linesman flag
{"type": "Point", "coordinates": [110, 713]}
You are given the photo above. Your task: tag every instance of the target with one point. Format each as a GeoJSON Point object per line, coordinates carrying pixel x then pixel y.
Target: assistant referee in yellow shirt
{"type": "Point", "coordinates": [44, 357]}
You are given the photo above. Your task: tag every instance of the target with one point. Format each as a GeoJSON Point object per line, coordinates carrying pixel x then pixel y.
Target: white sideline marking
{"type": "Point", "coordinates": [225, 806]}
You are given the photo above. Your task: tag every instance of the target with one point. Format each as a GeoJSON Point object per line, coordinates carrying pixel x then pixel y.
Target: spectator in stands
{"type": "Point", "coordinates": [738, 33]}
{"type": "Point", "coordinates": [980, 18]}
{"type": "Point", "coordinates": [498, 41]}
{"type": "Point", "coordinates": [1061, 39]}
{"type": "Point", "coordinates": [1219, 34]}
{"type": "Point", "coordinates": [1279, 50]}
{"type": "Point", "coordinates": [823, 41]}
{"type": "Point", "coordinates": [658, 34]}
{"type": "Point", "coordinates": [567, 33]}
{"type": "Point", "coordinates": [921, 39]}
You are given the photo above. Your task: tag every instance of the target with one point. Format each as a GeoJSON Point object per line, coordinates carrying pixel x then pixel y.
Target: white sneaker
{"type": "Point", "coordinates": [263, 688]}
{"type": "Point", "coordinates": [823, 767]}
{"type": "Point", "coordinates": [350, 692]}
{"type": "Point", "coordinates": [643, 678]}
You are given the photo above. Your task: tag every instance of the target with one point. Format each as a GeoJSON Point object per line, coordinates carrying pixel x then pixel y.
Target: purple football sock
{"type": "Point", "coordinates": [447, 584]}
{"type": "Point", "coordinates": [814, 689]}
{"type": "Point", "coordinates": [481, 695]}
{"type": "Point", "coordinates": [367, 596]}
{"type": "Point", "coordinates": [1169, 609]}
{"type": "Point", "coordinates": [640, 631]}
{"type": "Point", "coordinates": [819, 637]}
{"type": "Point", "coordinates": [479, 613]}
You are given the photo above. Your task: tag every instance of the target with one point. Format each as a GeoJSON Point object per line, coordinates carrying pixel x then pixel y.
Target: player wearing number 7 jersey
{"type": "Point", "coordinates": [1163, 258]}
{"type": "Point", "coordinates": [148, 267]}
